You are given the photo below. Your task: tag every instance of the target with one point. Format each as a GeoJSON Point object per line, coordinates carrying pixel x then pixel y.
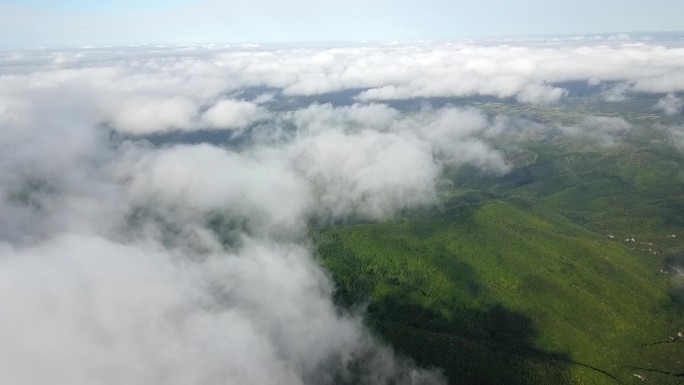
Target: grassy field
{"type": "Point", "coordinates": [531, 278]}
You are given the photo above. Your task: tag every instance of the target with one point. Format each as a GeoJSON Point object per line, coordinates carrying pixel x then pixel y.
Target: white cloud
{"type": "Point", "coordinates": [88, 310]}
{"type": "Point", "coordinates": [407, 71]}
{"type": "Point", "coordinates": [454, 135]}
{"type": "Point", "coordinates": [541, 94]}
{"type": "Point", "coordinates": [133, 275]}
{"type": "Point", "coordinates": [616, 93]}
{"type": "Point", "coordinates": [108, 257]}
{"type": "Point", "coordinates": [670, 104]}
{"type": "Point", "coordinates": [13, 112]}
{"type": "Point", "coordinates": [109, 250]}
{"type": "Point", "coordinates": [605, 131]}
{"type": "Point", "coordinates": [264, 192]}
{"type": "Point", "coordinates": [450, 135]}
{"type": "Point", "coordinates": [316, 118]}
{"type": "Point", "coordinates": [231, 114]}
{"type": "Point", "coordinates": [139, 91]}
{"type": "Point", "coordinates": [147, 116]}
{"type": "Point", "coordinates": [677, 136]}
{"type": "Point", "coordinates": [368, 174]}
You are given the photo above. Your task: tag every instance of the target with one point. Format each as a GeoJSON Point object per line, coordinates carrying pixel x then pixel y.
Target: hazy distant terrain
{"type": "Point", "coordinates": [496, 212]}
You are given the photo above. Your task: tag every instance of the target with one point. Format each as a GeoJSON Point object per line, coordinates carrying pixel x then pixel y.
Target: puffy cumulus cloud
{"type": "Point", "coordinates": [137, 95]}
{"type": "Point", "coordinates": [88, 310]}
{"type": "Point", "coordinates": [122, 262]}
{"type": "Point", "coordinates": [541, 94]}
{"type": "Point", "coordinates": [670, 104]}
{"type": "Point", "coordinates": [320, 117]}
{"type": "Point", "coordinates": [147, 116]}
{"type": "Point", "coordinates": [342, 161]}
{"type": "Point", "coordinates": [136, 285]}
{"type": "Point", "coordinates": [151, 89]}
{"type": "Point", "coordinates": [524, 70]}
{"type": "Point", "coordinates": [662, 83]}
{"type": "Point", "coordinates": [450, 136]}
{"type": "Point", "coordinates": [457, 137]}
{"type": "Point", "coordinates": [369, 174]}
{"type": "Point", "coordinates": [127, 98]}
{"type": "Point", "coordinates": [204, 178]}
{"type": "Point", "coordinates": [233, 114]}
{"type": "Point", "coordinates": [616, 93]}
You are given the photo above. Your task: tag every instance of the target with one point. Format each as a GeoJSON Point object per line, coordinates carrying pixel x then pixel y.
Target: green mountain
{"type": "Point", "coordinates": [560, 272]}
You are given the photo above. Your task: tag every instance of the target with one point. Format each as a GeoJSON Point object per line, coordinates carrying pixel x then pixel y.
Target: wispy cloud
{"type": "Point", "coordinates": [670, 104]}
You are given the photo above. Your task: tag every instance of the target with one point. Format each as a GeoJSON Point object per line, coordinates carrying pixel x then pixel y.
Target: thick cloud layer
{"type": "Point", "coordinates": [152, 89]}
{"type": "Point", "coordinates": [126, 262]}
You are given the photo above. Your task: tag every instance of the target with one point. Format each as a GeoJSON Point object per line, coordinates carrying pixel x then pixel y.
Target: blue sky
{"type": "Point", "coordinates": [29, 23]}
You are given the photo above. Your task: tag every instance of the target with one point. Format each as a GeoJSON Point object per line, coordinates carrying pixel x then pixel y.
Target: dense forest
{"type": "Point", "coordinates": [560, 272]}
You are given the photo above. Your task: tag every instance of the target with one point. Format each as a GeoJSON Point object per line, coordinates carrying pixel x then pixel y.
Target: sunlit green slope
{"type": "Point", "coordinates": [555, 273]}
{"type": "Point", "coordinates": [497, 293]}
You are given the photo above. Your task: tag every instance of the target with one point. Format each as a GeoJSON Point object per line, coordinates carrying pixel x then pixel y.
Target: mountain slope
{"type": "Point", "coordinates": [502, 292]}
